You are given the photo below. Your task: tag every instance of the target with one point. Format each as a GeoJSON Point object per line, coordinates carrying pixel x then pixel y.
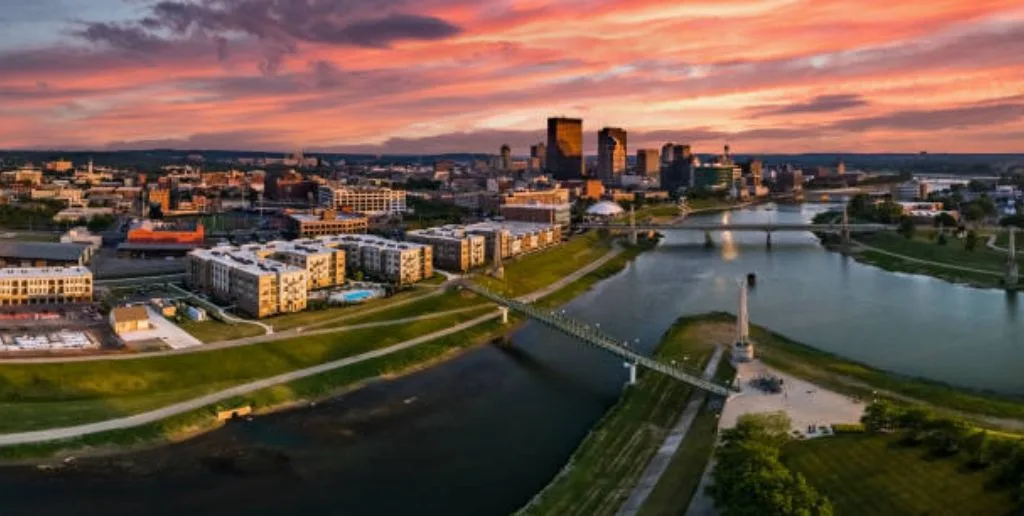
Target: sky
{"type": "Point", "coordinates": [432, 76]}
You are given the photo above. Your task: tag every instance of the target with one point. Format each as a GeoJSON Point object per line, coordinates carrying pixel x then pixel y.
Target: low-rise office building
{"type": "Point", "coordinates": [362, 199]}
{"type": "Point", "coordinates": [325, 222]}
{"type": "Point", "coordinates": [128, 319]}
{"type": "Point", "coordinates": [43, 254]}
{"type": "Point", "coordinates": [45, 285]}
{"type": "Point", "coordinates": [454, 249]}
{"type": "Point", "coordinates": [560, 214]}
{"type": "Point", "coordinates": [401, 263]}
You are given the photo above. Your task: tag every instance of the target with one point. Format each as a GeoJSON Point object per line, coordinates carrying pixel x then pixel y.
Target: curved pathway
{"type": "Point", "coordinates": [243, 341]}
{"type": "Point", "coordinates": [928, 262]}
{"type": "Point", "coordinates": [577, 274]}
{"type": "Point", "coordinates": [71, 432]}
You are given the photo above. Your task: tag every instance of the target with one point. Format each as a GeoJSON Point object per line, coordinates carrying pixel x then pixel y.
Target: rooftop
{"type": "Point", "coordinates": [42, 250]}
{"type": "Point", "coordinates": [514, 228]}
{"type": "Point", "coordinates": [44, 272]}
{"type": "Point", "coordinates": [309, 217]}
{"type": "Point", "coordinates": [129, 313]}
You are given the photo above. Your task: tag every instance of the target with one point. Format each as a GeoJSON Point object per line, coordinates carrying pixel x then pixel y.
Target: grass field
{"type": "Point", "coordinates": [537, 270]}
{"type": "Point", "coordinates": [50, 394]}
{"type": "Point", "coordinates": [657, 210]}
{"type": "Point", "coordinates": [682, 477]}
{"type": "Point", "coordinates": [213, 330]}
{"type": "Point", "coordinates": [606, 466]}
{"type": "Point", "coordinates": [310, 388]}
{"type": "Point", "coordinates": [323, 317]}
{"type": "Point", "coordinates": [923, 246]}
{"type": "Point", "coordinates": [874, 475]}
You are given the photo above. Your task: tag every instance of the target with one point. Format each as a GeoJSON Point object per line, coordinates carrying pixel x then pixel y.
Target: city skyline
{"type": "Point", "coordinates": [458, 76]}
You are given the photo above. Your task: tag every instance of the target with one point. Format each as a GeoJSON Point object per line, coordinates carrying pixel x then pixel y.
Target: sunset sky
{"type": "Point", "coordinates": [428, 76]}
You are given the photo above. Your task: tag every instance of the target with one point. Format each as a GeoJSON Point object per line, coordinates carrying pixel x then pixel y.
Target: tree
{"type": "Point", "coordinates": [749, 478]}
{"type": "Point", "coordinates": [859, 206]}
{"type": "Point", "coordinates": [880, 416]}
{"type": "Point", "coordinates": [888, 212]}
{"type": "Point", "coordinates": [974, 212]}
{"type": "Point", "coordinates": [980, 450]}
{"type": "Point", "coordinates": [915, 421]}
{"type": "Point", "coordinates": [942, 239]}
{"type": "Point", "coordinates": [944, 220]}
{"type": "Point", "coordinates": [971, 241]}
{"type": "Point", "coordinates": [987, 205]}
{"type": "Point", "coordinates": [358, 276]}
{"type": "Point", "coordinates": [946, 435]}
{"type": "Point", "coordinates": [907, 227]}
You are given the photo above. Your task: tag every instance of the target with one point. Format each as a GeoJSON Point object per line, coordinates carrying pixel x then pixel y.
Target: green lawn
{"type": "Point", "coordinates": [312, 387]}
{"type": "Point", "coordinates": [1003, 240]}
{"type": "Point", "coordinates": [923, 246]}
{"type": "Point", "coordinates": [606, 466]}
{"type": "Point", "coordinates": [682, 477]}
{"type": "Point", "coordinates": [322, 317]}
{"type": "Point", "coordinates": [537, 270]}
{"type": "Point", "coordinates": [213, 330]}
{"type": "Point", "coordinates": [657, 210]}
{"type": "Point", "coordinates": [79, 392]}
{"type": "Point", "coordinates": [869, 475]}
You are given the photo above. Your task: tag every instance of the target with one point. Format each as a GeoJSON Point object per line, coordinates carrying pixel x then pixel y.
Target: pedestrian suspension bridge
{"type": "Point", "coordinates": [595, 337]}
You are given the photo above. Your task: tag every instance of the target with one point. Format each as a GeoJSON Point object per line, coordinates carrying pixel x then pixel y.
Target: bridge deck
{"type": "Point", "coordinates": [599, 339]}
{"type": "Point", "coordinates": [697, 226]}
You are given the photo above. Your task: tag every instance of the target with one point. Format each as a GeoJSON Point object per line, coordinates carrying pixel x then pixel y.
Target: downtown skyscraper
{"type": "Point", "coordinates": [565, 148]}
{"type": "Point", "coordinates": [611, 154]}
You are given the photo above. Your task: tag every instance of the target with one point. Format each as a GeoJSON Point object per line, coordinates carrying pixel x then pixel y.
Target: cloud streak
{"type": "Point", "coordinates": [458, 75]}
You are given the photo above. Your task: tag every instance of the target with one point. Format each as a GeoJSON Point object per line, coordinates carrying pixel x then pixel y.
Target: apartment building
{"type": "Point", "coordinates": [454, 249]}
{"type": "Point", "coordinates": [257, 287]}
{"type": "Point", "coordinates": [551, 196]}
{"type": "Point", "coordinates": [324, 266]}
{"type": "Point", "coordinates": [362, 199]}
{"type": "Point", "coordinates": [515, 238]}
{"type": "Point", "coordinates": [45, 286]}
{"type": "Point", "coordinates": [401, 263]}
{"type": "Point", "coordinates": [325, 222]}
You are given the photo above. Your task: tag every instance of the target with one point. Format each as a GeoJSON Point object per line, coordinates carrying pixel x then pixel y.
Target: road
{"type": "Point", "coordinates": [71, 432]}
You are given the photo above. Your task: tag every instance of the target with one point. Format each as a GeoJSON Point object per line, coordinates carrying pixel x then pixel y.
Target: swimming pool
{"type": "Point", "coordinates": [355, 296]}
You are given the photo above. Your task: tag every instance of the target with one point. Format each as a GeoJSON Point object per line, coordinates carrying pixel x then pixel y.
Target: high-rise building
{"type": "Point", "coordinates": [539, 151]}
{"type": "Point", "coordinates": [611, 154]}
{"type": "Point", "coordinates": [681, 153]}
{"type": "Point", "coordinates": [505, 161]}
{"type": "Point", "coordinates": [564, 152]}
{"type": "Point", "coordinates": [666, 153]}
{"type": "Point", "coordinates": [647, 162]}
{"type": "Point", "coordinates": [755, 168]}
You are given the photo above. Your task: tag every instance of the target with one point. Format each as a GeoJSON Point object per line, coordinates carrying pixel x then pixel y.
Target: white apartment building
{"type": "Point", "coordinates": [362, 199]}
{"type": "Point", "coordinates": [45, 285]}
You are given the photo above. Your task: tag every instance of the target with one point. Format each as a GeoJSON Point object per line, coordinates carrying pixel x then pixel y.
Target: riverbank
{"type": "Point", "coordinates": [601, 473]}
{"type": "Point", "coordinates": [861, 381]}
{"type": "Point", "coordinates": [309, 389]}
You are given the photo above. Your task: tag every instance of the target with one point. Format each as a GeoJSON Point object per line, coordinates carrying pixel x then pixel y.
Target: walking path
{"type": "Point", "coordinates": [579, 273]}
{"type": "Point", "coordinates": [71, 432]}
{"type": "Point", "coordinates": [243, 341]}
{"type": "Point", "coordinates": [928, 262]}
{"type": "Point", "coordinates": [659, 463]}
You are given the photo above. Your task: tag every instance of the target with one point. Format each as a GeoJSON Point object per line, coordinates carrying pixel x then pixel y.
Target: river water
{"type": "Point", "coordinates": [482, 433]}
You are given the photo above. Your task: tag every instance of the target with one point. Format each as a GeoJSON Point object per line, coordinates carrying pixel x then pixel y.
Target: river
{"type": "Point", "coordinates": [482, 433]}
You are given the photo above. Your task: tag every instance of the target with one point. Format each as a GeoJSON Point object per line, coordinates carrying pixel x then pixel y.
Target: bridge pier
{"type": "Point", "coordinates": [769, 239]}
{"type": "Point", "coordinates": [504, 314]}
{"type": "Point", "coordinates": [632, 372]}
{"type": "Point", "coordinates": [1012, 272]}
{"type": "Point", "coordinates": [632, 226]}
{"type": "Point", "coordinates": [708, 241]}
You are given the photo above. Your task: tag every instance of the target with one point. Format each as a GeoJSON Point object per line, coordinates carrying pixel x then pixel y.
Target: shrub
{"type": "Point", "coordinates": [855, 428]}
